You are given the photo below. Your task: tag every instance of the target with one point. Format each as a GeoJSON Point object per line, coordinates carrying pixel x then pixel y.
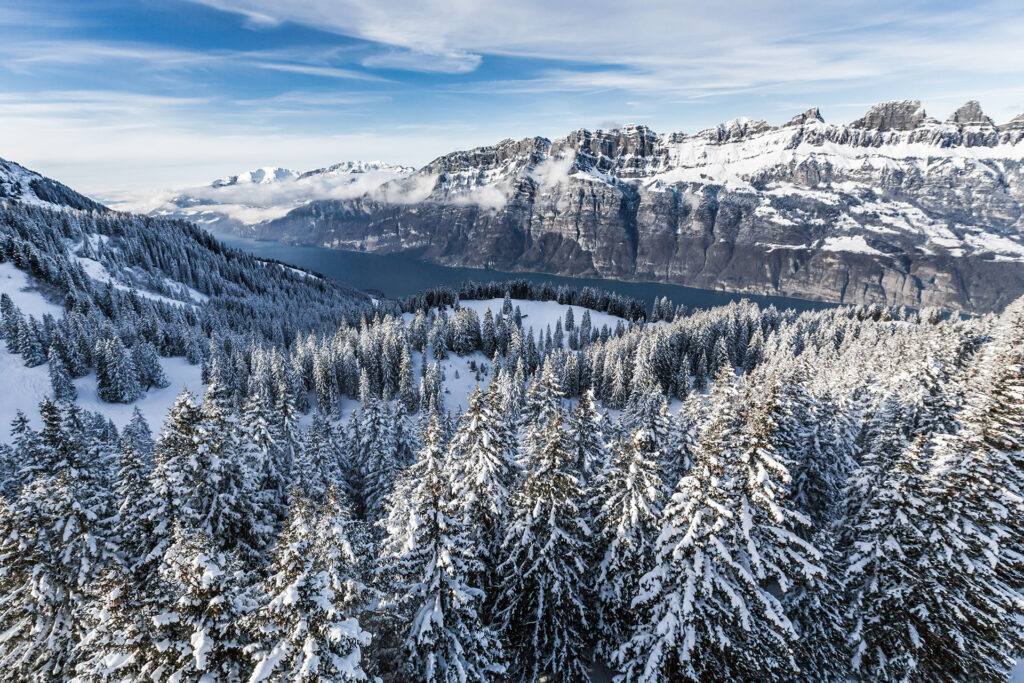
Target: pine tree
{"type": "Point", "coordinates": [138, 435]}
{"type": "Point", "coordinates": [816, 607]}
{"type": "Point", "coordinates": [542, 605]}
{"type": "Point", "coordinates": [196, 614]}
{"type": "Point", "coordinates": [587, 445]}
{"type": "Point", "coordinates": [481, 462]}
{"type": "Point", "coordinates": [60, 381]}
{"type": "Point", "coordinates": [377, 455]}
{"type": "Point", "coordinates": [222, 504]}
{"type": "Point", "coordinates": [705, 610]}
{"type": "Point", "coordinates": [118, 616]}
{"type": "Point", "coordinates": [974, 615]}
{"type": "Point", "coordinates": [992, 419]}
{"type": "Point", "coordinates": [488, 335]}
{"type": "Point", "coordinates": [307, 626]}
{"type": "Point", "coordinates": [29, 344]}
{"type": "Point", "coordinates": [147, 367]}
{"type": "Point", "coordinates": [172, 481]}
{"type": "Point", "coordinates": [319, 466]}
{"type": "Point", "coordinates": [53, 545]}
{"type": "Point", "coordinates": [265, 462]}
{"type": "Point", "coordinates": [882, 574]}
{"type": "Point", "coordinates": [407, 394]}
{"type": "Point", "coordinates": [116, 374]}
{"type": "Point", "coordinates": [631, 497]}
{"type": "Point", "coordinates": [431, 561]}
{"type": "Point", "coordinates": [132, 529]}
{"type": "Point", "coordinates": [543, 406]}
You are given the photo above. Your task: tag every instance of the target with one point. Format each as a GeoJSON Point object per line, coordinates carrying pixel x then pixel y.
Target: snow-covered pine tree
{"type": "Point", "coordinates": [975, 613]}
{"type": "Point", "coordinates": [431, 561]}
{"type": "Point", "coordinates": [883, 576]}
{"type": "Point", "coordinates": [822, 454]}
{"type": "Point", "coordinates": [222, 501]}
{"type": "Point", "coordinates": [817, 610]}
{"type": "Point", "coordinates": [407, 393]}
{"type": "Point", "coordinates": [543, 604]}
{"type": "Point", "coordinates": [630, 494]}
{"type": "Point", "coordinates": [881, 443]}
{"type": "Point", "coordinates": [678, 456]}
{"type": "Point", "coordinates": [29, 344]}
{"type": "Point", "coordinates": [771, 531]}
{"type": "Point", "coordinates": [60, 381]}
{"type": "Point", "coordinates": [481, 471]}
{"type": "Point", "coordinates": [706, 611]}
{"type": "Point", "coordinates": [543, 406]}
{"type": "Point", "coordinates": [117, 380]}
{"type": "Point", "coordinates": [139, 436]}
{"type": "Point", "coordinates": [172, 481]}
{"type": "Point", "coordinates": [586, 439]}
{"type": "Point", "coordinates": [377, 455]}
{"type": "Point", "coordinates": [306, 627]}
{"type": "Point", "coordinates": [992, 422]}
{"type": "Point", "coordinates": [132, 528]}
{"type": "Point", "coordinates": [147, 367]}
{"type": "Point", "coordinates": [319, 465]}
{"type": "Point", "coordinates": [265, 462]}
{"type": "Point", "coordinates": [196, 614]}
{"type": "Point", "coordinates": [54, 543]}
{"type": "Point", "coordinates": [119, 626]}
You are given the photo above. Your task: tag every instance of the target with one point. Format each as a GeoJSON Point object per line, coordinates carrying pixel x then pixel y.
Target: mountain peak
{"type": "Point", "coordinates": [356, 167]}
{"type": "Point", "coordinates": [895, 115]}
{"type": "Point", "coordinates": [970, 112]}
{"type": "Point", "coordinates": [812, 114]}
{"type": "Point", "coordinates": [257, 176]}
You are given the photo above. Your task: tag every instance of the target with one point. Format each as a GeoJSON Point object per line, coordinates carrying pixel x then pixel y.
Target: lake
{"type": "Point", "coordinates": [397, 276]}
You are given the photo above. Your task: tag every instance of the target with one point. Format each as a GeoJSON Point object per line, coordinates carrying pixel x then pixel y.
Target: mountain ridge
{"type": "Point", "coordinates": [895, 208]}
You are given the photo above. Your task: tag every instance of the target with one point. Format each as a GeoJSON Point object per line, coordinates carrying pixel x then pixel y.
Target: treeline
{"type": "Point", "coordinates": [630, 309]}
{"type": "Point", "coordinates": [777, 527]}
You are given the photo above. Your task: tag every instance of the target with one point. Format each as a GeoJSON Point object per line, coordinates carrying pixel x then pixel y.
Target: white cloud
{"type": "Point", "coordinates": [668, 46]}
{"type": "Point", "coordinates": [120, 146]}
{"type": "Point", "coordinates": [408, 60]}
{"type": "Point", "coordinates": [26, 56]}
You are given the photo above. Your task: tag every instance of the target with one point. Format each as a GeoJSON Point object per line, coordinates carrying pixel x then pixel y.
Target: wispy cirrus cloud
{"type": "Point", "coordinates": [451, 62]}
{"type": "Point", "coordinates": [666, 46]}
{"type": "Point", "coordinates": [26, 56]}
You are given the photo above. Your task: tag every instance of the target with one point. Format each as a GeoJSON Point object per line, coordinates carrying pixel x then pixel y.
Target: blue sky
{"type": "Point", "coordinates": [112, 96]}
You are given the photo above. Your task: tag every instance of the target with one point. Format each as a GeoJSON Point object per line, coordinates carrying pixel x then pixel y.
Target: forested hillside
{"type": "Point", "coordinates": [727, 494]}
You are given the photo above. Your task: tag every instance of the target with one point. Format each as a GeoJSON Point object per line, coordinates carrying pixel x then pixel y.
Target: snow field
{"type": "Point", "coordinates": [25, 387]}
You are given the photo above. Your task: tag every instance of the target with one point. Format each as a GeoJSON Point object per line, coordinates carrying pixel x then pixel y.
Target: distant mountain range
{"type": "Point", "coordinates": [234, 203]}
{"type": "Point", "coordinates": [895, 207]}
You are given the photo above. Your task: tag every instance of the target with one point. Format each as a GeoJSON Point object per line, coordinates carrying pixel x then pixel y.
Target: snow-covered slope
{"type": "Point", "coordinates": [896, 207]}
{"type": "Point", "coordinates": [25, 387]}
{"type": "Point", "coordinates": [238, 201]}
{"type": "Point", "coordinates": [21, 184]}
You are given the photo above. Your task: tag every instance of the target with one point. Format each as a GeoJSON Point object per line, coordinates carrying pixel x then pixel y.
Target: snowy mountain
{"type": "Point", "coordinates": [235, 202]}
{"type": "Point", "coordinates": [896, 207]}
{"type": "Point", "coordinates": [19, 183]}
{"type": "Point", "coordinates": [257, 176]}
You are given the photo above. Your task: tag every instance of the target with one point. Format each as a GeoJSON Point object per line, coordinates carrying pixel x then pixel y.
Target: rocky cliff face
{"type": "Point", "coordinates": [894, 208]}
